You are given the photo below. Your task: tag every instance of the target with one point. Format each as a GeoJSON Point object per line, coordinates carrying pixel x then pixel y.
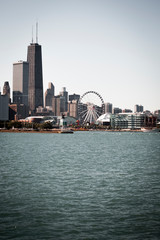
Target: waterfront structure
{"type": "Point", "coordinates": [136, 121]}
{"type": "Point", "coordinates": [4, 109]}
{"type": "Point", "coordinates": [58, 105]}
{"type": "Point", "coordinates": [6, 89]}
{"type": "Point", "coordinates": [157, 114]}
{"type": "Point", "coordinates": [108, 107]}
{"type": "Point", "coordinates": [74, 97]}
{"type": "Point", "coordinates": [138, 108]}
{"type": "Point", "coordinates": [105, 119]}
{"type": "Point", "coordinates": [64, 94]}
{"type": "Point", "coordinates": [119, 121]}
{"type": "Point", "coordinates": [128, 121]}
{"type": "Point", "coordinates": [35, 84]}
{"type": "Point", "coordinates": [150, 120]}
{"type": "Point", "coordinates": [73, 108]}
{"type": "Point", "coordinates": [49, 94]}
{"type": "Point", "coordinates": [20, 82]}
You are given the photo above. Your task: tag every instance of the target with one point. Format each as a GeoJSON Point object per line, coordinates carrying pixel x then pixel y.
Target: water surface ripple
{"type": "Point", "coordinates": [87, 185]}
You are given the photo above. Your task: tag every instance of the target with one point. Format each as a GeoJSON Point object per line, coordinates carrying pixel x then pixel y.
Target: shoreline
{"type": "Point", "coordinates": [74, 130]}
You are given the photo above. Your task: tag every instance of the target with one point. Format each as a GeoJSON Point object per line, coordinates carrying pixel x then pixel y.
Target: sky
{"type": "Point", "coordinates": [111, 47]}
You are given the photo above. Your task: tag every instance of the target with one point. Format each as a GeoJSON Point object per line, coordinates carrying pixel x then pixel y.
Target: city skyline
{"type": "Point", "coordinates": [112, 48]}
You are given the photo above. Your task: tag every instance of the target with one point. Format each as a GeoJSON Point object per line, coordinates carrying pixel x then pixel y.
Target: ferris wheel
{"type": "Point", "coordinates": [90, 107]}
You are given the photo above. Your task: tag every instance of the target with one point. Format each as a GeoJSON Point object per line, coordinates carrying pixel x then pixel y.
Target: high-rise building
{"type": "Point", "coordinates": [4, 108]}
{"type": "Point", "coordinates": [49, 93]}
{"type": "Point", "coordinates": [64, 94]}
{"type": "Point", "coordinates": [6, 89]}
{"type": "Point", "coordinates": [108, 107]}
{"type": "Point", "coordinates": [74, 97]}
{"type": "Point", "coordinates": [20, 82]}
{"type": "Point", "coordinates": [58, 105]}
{"type": "Point", "coordinates": [141, 108]}
{"type": "Point", "coordinates": [138, 108]}
{"type": "Point", "coordinates": [35, 85]}
{"type": "Point", "coordinates": [73, 108]}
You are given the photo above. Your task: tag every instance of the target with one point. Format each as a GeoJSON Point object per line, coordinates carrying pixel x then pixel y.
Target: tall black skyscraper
{"type": "Point", "coordinates": [35, 84]}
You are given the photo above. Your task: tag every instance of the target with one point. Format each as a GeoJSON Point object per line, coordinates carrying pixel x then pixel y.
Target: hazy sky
{"type": "Point", "coordinates": [109, 46]}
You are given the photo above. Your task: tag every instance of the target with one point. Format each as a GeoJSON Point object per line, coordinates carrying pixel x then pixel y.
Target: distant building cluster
{"type": "Point", "coordinates": [27, 95]}
{"type": "Point", "coordinates": [28, 100]}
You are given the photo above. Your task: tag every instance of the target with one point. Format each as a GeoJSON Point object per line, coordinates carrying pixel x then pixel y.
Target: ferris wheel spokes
{"type": "Point", "coordinates": [88, 108]}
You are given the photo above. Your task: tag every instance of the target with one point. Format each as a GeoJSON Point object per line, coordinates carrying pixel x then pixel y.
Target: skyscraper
{"type": "Point", "coordinates": [108, 107]}
{"type": "Point", "coordinates": [58, 105]}
{"type": "Point", "coordinates": [20, 82]}
{"type": "Point", "coordinates": [4, 109]}
{"type": "Point", "coordinates": [64, 94]}
{"type": "Point", "coordinates": [73, 108]}
{"type": "Point", "coordinates": [49, 93]}
{"type": "Point", "coordinates": [6, 90]}
{"type": "Point", "coordinates": [35, 85]}
{"type": "Point", "coordinates": [74, 97]}
{"type": "Point", "coordinates": [138, 108]}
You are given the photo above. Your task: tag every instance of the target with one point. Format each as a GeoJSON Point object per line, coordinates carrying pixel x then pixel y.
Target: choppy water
{"type": "Point", "coordinates": [87, 185]}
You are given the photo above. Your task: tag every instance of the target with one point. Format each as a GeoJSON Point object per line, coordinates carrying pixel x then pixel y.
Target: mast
{"type": "Point", "coordinates": [32, 34]}
{"type": "Point", "coordinates": [36, 32]}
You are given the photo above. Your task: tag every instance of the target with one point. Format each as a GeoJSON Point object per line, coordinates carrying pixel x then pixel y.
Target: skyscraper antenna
{"type": "Point", "coordinates": [36, 32]}
{"type": "Point", "coordinates": [32, 33]}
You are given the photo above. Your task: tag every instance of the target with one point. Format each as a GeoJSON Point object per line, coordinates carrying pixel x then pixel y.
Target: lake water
{"type": "Point", "coordinates": [86, 185]}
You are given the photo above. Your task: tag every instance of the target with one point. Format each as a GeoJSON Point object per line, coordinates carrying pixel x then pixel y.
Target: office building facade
{"type": "Point", "coordinates": [20, 82]}
{"type": "Point", "coordinates": [73, 108]}
{"type": "Point", "coordinates": [138, 108]}
{"type": "Point", "coordinates": [49, 93]}
{"type": "Point", "coordinates": [58, 105]}
{"type": "Point", "coordinates": [35, 84]}
{"type": "Point", "coordinates": [116, 110]}
{"type": "Point", "coordinates": [4, 109]}
{"type": "Point", "coordinates": [74, 97]}
{"type": "Point", "coordinates": [64, 94]}
{"type": "Point", "coordinates": [108, 107]}
{"type": "Point", "coordinates": [6, 89]}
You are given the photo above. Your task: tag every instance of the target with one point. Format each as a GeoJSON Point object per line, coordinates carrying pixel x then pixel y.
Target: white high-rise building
{"type": "Point", "coordinates": [20, 82]}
